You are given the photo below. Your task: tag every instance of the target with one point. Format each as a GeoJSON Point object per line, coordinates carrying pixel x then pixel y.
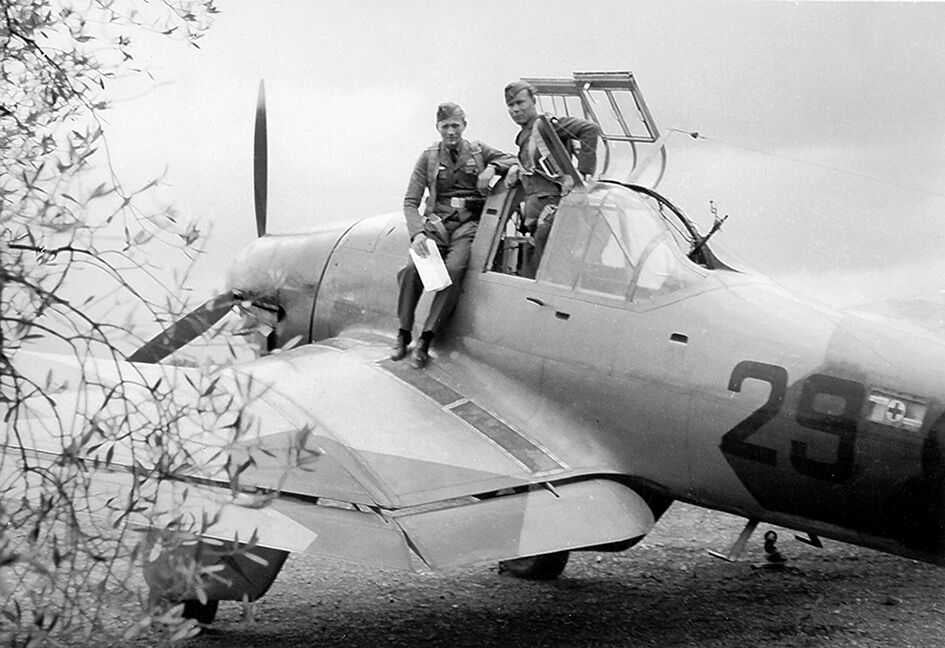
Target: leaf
{"type": "Point", "coordinates": [142, 237]}
{"type": "Point", "coordinates": [100, 191]}
{"type": "Point", "coordinates": [186, 631]}
{"type": "Point", "coordinates": [209, 390]}
{"type": "Point", "coordinates": [136, 629]}
{"type": "Point", "coordinates": [259, 560]}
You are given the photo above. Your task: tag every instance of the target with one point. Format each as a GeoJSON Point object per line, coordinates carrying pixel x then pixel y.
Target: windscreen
{"type": "Point", "coordinates": [612, 241]}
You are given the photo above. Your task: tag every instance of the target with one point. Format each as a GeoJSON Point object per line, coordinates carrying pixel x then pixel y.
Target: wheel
{"type": "Point", "coordinates": [205, 614]}
{"type": "Point", "coordinates": [543, 567]}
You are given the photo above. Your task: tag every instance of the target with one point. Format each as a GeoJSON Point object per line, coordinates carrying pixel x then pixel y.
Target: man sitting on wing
{"type": "Point", "coordinates": [455, 173]}
{"type": "Point", "coordinates": [543, 191]}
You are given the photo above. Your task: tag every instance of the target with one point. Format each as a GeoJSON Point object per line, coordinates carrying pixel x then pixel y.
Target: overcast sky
{"type": "Point", "coordinates": [826, 119]}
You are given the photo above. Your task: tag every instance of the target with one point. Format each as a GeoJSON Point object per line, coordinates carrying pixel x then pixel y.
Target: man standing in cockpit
{"type": "Point", "coordinates": [543, 191]}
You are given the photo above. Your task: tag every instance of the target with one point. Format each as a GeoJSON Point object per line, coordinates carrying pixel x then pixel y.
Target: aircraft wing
{"type": "Point", "coordinates": [413, 467]}
{"type": "Point", "coordinates": [397, 466]}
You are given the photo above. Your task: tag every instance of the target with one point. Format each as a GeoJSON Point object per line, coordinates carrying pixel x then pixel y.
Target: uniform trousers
{"type": "Point", "coordinates": [455, 255]}
{"type": "Point", "coordinates": [538, 227]}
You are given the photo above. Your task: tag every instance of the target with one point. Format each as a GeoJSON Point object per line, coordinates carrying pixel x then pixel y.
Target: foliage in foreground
{"type": "Point", "coordinates": [109, 487]}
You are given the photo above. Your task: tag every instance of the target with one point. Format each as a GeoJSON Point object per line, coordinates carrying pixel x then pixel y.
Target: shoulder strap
{"type": "Point", "coordinates": [546, 164]}
{"type": "Point", "coordinates": [475, 149]}
{"type": "Point", "coordinates": [531, 147]}
{"type": "Point", "coordinates": [539, 137]}
{"type": "Point", "coordinates": [433, 165]}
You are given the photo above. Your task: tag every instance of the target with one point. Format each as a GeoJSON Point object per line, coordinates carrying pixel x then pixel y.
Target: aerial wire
{"type": "Point", "coordinates": [696, 135]}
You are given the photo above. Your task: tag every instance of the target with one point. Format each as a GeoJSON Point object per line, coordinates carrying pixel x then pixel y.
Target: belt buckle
{"type": "Point", "coordinates": [458, 203]}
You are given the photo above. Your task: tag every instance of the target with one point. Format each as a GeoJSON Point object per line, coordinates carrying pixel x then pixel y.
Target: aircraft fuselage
{"type": "Point", "coordinates": [729, 393]}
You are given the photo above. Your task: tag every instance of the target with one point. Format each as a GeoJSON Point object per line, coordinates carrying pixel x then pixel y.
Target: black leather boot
{"type": "Point", "coordinates": [399, 350]}
{"type": "Point", "coordinates": [421, 352]}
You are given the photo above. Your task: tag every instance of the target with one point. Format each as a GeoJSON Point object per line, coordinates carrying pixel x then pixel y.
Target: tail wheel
{"type": "Point", "coordinates": [543, 567]}
{"type": "Point", "coordinates": [200, 612]}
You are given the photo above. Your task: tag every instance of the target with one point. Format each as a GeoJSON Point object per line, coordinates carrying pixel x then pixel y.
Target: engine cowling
{"type": "Point", "coordinates": [282, 273]}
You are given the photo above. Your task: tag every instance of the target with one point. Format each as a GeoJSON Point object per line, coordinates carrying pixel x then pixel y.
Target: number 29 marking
{"type": "Point", "coordinates": [841, 424]}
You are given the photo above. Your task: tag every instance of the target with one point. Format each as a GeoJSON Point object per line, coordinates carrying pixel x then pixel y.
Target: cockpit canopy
{"type": "Point", "coordinates": [613, 236]}
{"type": "Point", "coordinates": [613, 100]}
{"type": "Point", "coordinates": [612, 241]}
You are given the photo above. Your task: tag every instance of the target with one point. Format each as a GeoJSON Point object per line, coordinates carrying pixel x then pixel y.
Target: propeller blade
{"type": "Point", "coordinates": [260, 161]}
{"type": "Point", "coordinates": [184, 330]}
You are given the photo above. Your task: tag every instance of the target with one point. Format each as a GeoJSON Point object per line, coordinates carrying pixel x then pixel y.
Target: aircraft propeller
{"type": "Point", "coordinates": [211, 311]}
{"type": "Point", "coordinates": [260, 161]}
{"type": "Point", "coordinates": [185, 329]}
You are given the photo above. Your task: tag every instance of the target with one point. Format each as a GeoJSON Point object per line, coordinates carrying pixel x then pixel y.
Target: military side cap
{"type": "Point", "coordinates": [515, 87]}
{"type": "Point", "coordinates": [449, 109]}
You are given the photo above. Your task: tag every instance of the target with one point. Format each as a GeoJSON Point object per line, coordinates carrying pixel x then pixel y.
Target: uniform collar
{"type": "Point", "coordinates": [462, 148]}
{"type": "Point", "coordinates": [526, 130]}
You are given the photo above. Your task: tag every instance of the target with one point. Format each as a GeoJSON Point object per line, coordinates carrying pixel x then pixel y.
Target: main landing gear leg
{"type": "Point", "coordinates": [812, 539]}
{"type": "Point", "coordinates": [738, 548]}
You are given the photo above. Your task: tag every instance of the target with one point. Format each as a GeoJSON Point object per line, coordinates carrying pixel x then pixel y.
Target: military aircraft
{"type": "Point", "coordinates": [567, 412]}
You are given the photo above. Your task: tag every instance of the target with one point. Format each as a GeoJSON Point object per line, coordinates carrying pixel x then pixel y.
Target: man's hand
{"type": "Point", "coordinates": [547, 215]}
{"type": "Point", "coordinates": [419, 245]}
{"type": "Point", "coordinates": [567, 184]}
{"type": "Point", "coordinates": [482, 184]}
{"type": "Point", "coordinates": [511, 178]}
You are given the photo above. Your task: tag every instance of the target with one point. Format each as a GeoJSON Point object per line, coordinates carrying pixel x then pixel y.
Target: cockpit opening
{"type": "Point", "coordinates": [614, 240]}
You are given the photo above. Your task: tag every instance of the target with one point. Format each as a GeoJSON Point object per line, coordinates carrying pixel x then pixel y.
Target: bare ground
{"type": "Point", "coordinates": [665, 592]}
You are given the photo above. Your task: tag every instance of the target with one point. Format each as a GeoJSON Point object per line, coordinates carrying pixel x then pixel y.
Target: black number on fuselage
{"type": "Point", "coordinates": [735, 442]}
{"type": "Point", "coordinates": [841, 425]}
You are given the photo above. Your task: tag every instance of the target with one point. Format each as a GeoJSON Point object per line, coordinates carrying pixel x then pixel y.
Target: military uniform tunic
{"type": "Point", "coordinates": [541, 191]}
{"type": "Point", "coordinates": [456, 177]}
{"type": "Point", "coordinates": [566, 128]}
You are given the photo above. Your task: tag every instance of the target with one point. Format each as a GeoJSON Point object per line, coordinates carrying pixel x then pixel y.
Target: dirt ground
{"type": "Point", "coordinates": [664, 592]}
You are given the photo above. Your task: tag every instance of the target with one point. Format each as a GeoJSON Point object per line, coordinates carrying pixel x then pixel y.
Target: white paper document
{"type": "Point", "coordinates": [432, 270]}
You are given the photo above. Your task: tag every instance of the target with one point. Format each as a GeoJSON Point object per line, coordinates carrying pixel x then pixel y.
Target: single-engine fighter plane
{"type": "Point", "coordinates": [567, 412]}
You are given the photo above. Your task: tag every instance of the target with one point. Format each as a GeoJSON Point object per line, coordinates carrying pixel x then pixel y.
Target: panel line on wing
{"type": "Point", "coordinates": [422, 381]}
{"type": "Point", "coordinates": [523, 450]}
{"type": "Point", "coordinates": [533, 457]}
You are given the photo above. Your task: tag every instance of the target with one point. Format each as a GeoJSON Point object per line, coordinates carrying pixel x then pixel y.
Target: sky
{"type": "Point", "coordinates": [824, 122]}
